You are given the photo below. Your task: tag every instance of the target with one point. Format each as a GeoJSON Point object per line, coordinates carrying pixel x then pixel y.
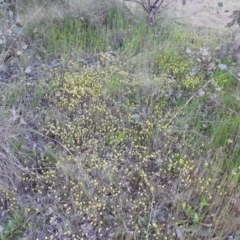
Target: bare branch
{"type": "Point", "coordinates": [140, 3]}
{"type": "Point", "coordinates": [152, 8]}
{"type": "Point", "coordinates": [125, 5]}
{"type": "Point", "coordinates": [156, 2]}
{"type": "Point", "coordinates": [133, 1]}
{"type": "Point", "coordinates": [157, 7]}
{"type": "Point", "coordinates": [146, 6]}
{"type": "Point", "coordinates": [149, 3]}
{"type": "Point", "coordinates": [167, 6]}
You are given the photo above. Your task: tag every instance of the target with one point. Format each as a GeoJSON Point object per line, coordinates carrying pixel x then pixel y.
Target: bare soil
{"type": "Point", "coordinates": [205, 13]}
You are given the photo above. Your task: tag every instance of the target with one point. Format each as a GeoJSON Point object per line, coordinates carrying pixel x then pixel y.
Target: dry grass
{"type": "Point", "coordinates": [47, 11]}
{"type": "Point", "coordinates": [118, 148]}
{"type": "Point", "coordinates": [12, 143]}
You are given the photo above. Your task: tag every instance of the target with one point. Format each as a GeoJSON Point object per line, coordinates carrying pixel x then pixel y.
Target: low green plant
{"type": "Point", "coordinates": [14, 225]}
{"type": "Point", "coordinates": [171, 63]}
{"type": "Point", "coordinates": [224, 79]}
{"type": "Point", "coordinates": [84, 32]}
{"type": "Point", "coordinates": [227, 131]}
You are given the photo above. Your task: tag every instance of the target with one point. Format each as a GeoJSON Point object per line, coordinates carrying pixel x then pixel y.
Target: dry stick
{"type": "Point", "coordinates": [54, 141]}
{"type": "Point", "coordinates": [125, 5]}
{"type": "Point", "coordinates": [234, 75]}
{"type": "Point", "coordinates": [84, 174]}
{"type": "Point", "coordinates": [165, 7]}
{"type": "Point", "coordinates": [194, 13]}
{"type": "Point", "coordinates": [147, 6]}
{"type": "Point", "coordinates": [160, 4]}
{"type": "Point", "coordinates": [187, 102]}
{"type": "Point", "coordinates": [140, 3]}
{"type": "Point", "coordinates": [149, 2]}
{"type": "Point", "coordinates": [155, 3]}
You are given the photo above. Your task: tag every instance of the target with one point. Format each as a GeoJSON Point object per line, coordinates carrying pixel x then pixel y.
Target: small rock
{"type": "Point", "coordinates": [201, 93]}
{"type": "Point", "coordinates": [28, 70]}
{"type": "Point", "coordinates": [136, 117]}
{"type": "Point", "coordinates": [222, 67]}
{"type": "Point", "coordinates": [1, 228]}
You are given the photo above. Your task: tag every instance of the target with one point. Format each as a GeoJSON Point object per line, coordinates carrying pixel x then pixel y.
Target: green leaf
{"type": "Point", "coordinates": [19, 146]}
{"type": "Point", "coordinates": [196, 218]}
{"type": "Point", "coordinates": [121, 136]}
{"type": "Point", "coordinates": [203, 203]}
{"type": "Point", "coordinates": [188, 210]}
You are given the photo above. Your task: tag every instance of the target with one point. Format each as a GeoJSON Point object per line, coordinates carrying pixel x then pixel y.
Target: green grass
{"type": "Point", "coordinates": [14, 224]}
{"type": "Point", "coordinates": [127, 148]}
{"type": "Point", "coordinates": [89, 33]}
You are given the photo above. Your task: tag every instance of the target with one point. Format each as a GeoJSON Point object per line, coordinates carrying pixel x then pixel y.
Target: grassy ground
{"type": "Point", "coordinates": [118, 135]}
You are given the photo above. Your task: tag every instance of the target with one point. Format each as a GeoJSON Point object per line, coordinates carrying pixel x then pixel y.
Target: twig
{"type": "Point", "coordinates": [84, 175]}
{"type": "Point", "coordinates": [140, 3]}
{"type": "Point", "coordinates": [148, 8]}
{"type": "Point", "coordinates": [125, 5]}
{"type": "Point", "coordinates": [54, 141]}
{"type": "Point", "coordinates": [187, 102]}
{"type": "Point", "coordinates": [236, 78]}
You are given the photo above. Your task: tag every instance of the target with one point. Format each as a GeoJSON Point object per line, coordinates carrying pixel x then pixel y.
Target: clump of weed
{"type": "Point", "coordinates": [112, 165]}
{"type": "Point", "coordinates": [223, 79]}
{"type": "Point", "coordinates": [192, 83]}
{"type": "Point", "coordinates": [123, 158]}
{"type": "Point", "coordinates": [71, 89]}
{"type": "Point", "coordinates": [13, 225]}
{"type": "Point", "coordinates": [81, 27]}
{"type": "Point", "coordinates": [173, 64]}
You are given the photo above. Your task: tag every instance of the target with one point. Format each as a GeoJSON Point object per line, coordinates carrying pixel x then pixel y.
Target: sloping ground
{"type": "Point", "coordinates": [203, 14]}
{"type": "Point", "coordinates": [112, 151]}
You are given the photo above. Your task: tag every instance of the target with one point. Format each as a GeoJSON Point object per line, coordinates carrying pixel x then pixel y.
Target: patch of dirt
{"type": "Point", "coordinates": [206, 14]}
{"type": "Point", "coordinates": [203, 14]}
{"type": "Point", "coordinates": [208, 18]}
